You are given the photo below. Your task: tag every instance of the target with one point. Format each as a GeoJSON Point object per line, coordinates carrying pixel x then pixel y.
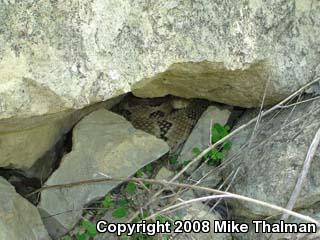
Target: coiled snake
{"type": "Point", "coordinates": [169, 118]}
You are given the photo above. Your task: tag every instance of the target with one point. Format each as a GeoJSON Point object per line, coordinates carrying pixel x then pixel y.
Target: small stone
{"type": "Point", "coordinates": [164, 174]}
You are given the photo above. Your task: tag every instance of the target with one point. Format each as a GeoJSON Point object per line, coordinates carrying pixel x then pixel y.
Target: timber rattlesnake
{"type": "Point", "coordinates": [169, 118]}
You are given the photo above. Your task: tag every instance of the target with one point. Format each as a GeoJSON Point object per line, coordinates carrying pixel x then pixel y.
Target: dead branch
{"type": "Point", "coordinates": [180, 185]}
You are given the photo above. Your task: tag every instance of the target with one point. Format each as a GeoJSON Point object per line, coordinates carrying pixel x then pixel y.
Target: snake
{"type": "Point", "coordinates": [169, 118]}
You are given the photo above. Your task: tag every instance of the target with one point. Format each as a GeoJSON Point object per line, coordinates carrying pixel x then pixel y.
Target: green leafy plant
{"type": "Point", "coordinates": [120, 207]}
{"type": "Point", "coordinates": [215, 156]}
{"type": "Point", "coordinates": [107, 201]}
{"type": "Point", "coordinates": [88, 231]}
{"type": "Point", "coordinates": [120, 212]}
{"type": "Point", "coordinates": [140, 174]}
{"type": "Point", "coordinates": [149, 169]}
{"type": "Point", "coordinates": [131, 188]}
{"type": "Point", "coordinates": [90, 228]}
{"type": "Point", "coordinates": [122, 202]}
{"type": "Point", "coordinates": [81, 236]}
{"type": "Point", "coordinates": [173, 160]}
{"type": "Point", "coordinates": [218, 132]}
{"type": "Point", "coordinates": [162, 218]}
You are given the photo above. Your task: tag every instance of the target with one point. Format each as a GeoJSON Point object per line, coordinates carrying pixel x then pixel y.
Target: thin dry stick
{"type": "Point", "coordinates": [227, 189]}
{"type": "Point", "coordinates": [306, 166]}
{"type": "Point", "coordinates": [210, 131]}
{"type": "Point", "coordinates": [260, 112]}
{"type": "Point", "coordinates": [228, 195]}
{"type": "Point", "coordinates": [298, 103]}
{"type": "Point", "coordinates": [183, 203]}
{"type": "Point", "coordinates": [180, 185]}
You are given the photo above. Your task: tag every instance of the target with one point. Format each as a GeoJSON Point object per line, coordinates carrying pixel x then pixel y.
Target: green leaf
{"type": "Point", "coordinates": [162, 218]}
{"type": "Point", "coordinates": [173, 160]}
{"type": "Point", "coordinates": [227, 145]}
{"type": "Point", "coordinates": [81, 236]}
{"type": "Point", "coordinates": [185, 163]}
{"type": "Point", "coordinates": [220, 155]}
{"type": "Point", "coordinates": [215, 135]}
{"type": "Point", "coordinates": [139, 173]}
{"type": "Point", "coordinates": [131, 188]}
{"type": "Point", "coordinates": [107, 201]}
{"type": "Point", "coordinates": [196, 151]}
{"type": "Point", "coordinates": [219, 132]}
{"type": "Point", "coordinates": [216, 155]}
{"type": "Point", "coordinates": [120, 212]}
{"type": "Point", "coordinates": [149, 169]}
{"type": "Point", "coordinates": [122, 202]}
{"type": "Point", "coordinates": [213, 154]}
{"type": "Point", "coordinates": [227, 127]}
{"type": "Point", "coordinates": [90, 228]}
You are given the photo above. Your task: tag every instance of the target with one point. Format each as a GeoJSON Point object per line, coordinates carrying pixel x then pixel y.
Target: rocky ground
{"type": "Point", "coordinates": [105, 145]}
{"type": "Point", "coordinates": [66, 154]}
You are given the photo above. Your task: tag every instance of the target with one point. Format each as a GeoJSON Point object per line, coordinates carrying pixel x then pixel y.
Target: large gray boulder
{"type": "Point", "coordinates": [271, 162]}
{"type": "Point", "coordinates": [19, 219]}
{"type": "Point", "coordinates": [103, 142]}
{"type": "Point", "coordinates": [57, 55]}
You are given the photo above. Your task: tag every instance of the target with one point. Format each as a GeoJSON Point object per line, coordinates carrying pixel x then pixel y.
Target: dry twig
{"type": "Point", "coordinates": [180, 185]}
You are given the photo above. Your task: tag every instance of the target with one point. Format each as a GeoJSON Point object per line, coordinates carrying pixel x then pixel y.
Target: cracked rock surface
{"type": "Point", "coordinates": [57, 55]}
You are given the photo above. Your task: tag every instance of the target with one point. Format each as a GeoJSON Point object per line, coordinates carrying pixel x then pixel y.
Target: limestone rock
{"type": "Point", "coordinates": [21, 148]}
{"type": "Point", "coordinates": [57, 55]}
{"type": "Point", "coordinates": [200, 135]}
{"type": "Point", "coordinates": [270, 167]}
{"type": "Point", "coordinates": [19, 219]}
{"type": "Point", "coordinates": [24, 141]}
{"type": "Point", "coordinates": [102, 142]}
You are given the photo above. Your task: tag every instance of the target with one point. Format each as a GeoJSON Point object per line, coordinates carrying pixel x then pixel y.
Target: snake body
{"type": "Point", "coordinates": [169, 118]}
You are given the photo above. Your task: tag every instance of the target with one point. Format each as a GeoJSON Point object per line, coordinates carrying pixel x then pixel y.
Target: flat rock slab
{"type": "Point", "coordinates": [102, 142]}
{"type": "Point", "coordinates": [19, 219]}
{"type": "Point", "coordinates": [200, 135]}
{"type": "Point", "coordinates": [270, 166]}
